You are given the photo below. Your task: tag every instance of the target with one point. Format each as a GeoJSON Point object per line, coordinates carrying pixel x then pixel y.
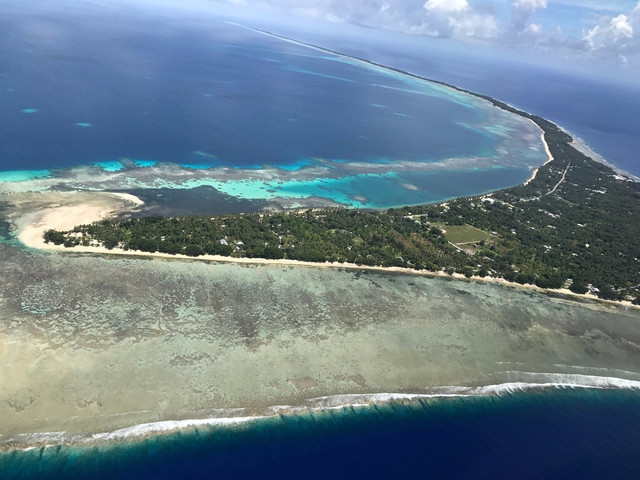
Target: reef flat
{"type": "Point", "coordinates": [96, 343]}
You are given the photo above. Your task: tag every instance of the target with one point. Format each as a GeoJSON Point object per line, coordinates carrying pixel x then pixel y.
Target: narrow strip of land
{"type": "Point", "coordinates": [66, 210]}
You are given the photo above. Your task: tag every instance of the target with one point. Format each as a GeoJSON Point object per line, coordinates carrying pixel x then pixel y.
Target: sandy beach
{"type": "Point", "coordinates": [63, 211]}
{"type": "Point", "coordinates": [549, 156]}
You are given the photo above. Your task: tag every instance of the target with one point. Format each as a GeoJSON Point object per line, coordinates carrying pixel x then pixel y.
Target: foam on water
{"type": "Point", "coordinates": [168, 426]}
{"type": "Point", "coordinates": [538, 382]}
{"type": "Point", "coordinates": [557, 380]}
{"type": "Point", "coordinates": [538, 435]}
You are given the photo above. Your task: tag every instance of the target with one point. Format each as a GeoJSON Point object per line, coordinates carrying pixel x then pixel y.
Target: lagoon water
{"type": "Point", "coordinates": [147, 90]}
{"type": "Point", "coordinates": [601, 110]}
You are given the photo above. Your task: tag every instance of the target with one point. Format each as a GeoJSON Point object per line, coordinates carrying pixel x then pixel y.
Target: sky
{"type": "Point", "coordinates": [594, 33]}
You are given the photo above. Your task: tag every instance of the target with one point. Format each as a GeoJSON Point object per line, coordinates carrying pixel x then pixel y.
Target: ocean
{"type": "Point", "coordinates": [566, 433]}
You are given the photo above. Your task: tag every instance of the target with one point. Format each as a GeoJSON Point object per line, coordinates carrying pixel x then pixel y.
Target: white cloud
{"type": "Point", "coordinates": [476, 26]}
{"type": "Point", "coordinates": [521, 13]}
{"type": "Point", "coordinates": [530, 4]}
{"type": "Point", "coordinates": [614, 37]}
{"type": "Point", "coordinates": [610, 31]}
{"type": "Point", "coordinates": [534, 28]}
{"type": "Point", "coordinates": [618, 35]}
{"type": "Point", "coordinates": [446, 6]}
{"type": "Point", "coordinates": [457, 19]}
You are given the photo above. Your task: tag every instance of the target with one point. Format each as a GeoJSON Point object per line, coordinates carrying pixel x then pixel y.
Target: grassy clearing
{"type": "Point", "coordinates": [463, 234]}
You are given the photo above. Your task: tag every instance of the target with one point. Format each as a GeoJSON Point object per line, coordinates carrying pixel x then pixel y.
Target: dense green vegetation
{"type": "Point", "coordinates": [340, 235]}
{"type": "Point", "coordinates": [576, 224]}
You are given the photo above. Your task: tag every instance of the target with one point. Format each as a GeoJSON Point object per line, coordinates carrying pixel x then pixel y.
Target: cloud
{"type": "Point", "coordinates": [520, 24]}
{"type": "Point", "coordinates": [456, 18]}
{"type": "Point", "coordinates": [476, 25]}
{"type": "Point", "coordinates": [521, 13]}
{"type": "Point", "coordinates": [610, 32]}
{"type": "Point", "coordinates": [447, 6]}
{"type": "Point", "coordinates": [615, 36]}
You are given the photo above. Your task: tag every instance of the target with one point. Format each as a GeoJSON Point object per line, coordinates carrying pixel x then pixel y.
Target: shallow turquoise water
{"type": "Point", "coordinates": [23, 175]}
{"type": "Point", "coordinates": [113, 166]}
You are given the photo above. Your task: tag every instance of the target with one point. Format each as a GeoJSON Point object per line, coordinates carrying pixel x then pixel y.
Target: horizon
{"type": "Point", "coordinates": [599, 39]}
{"type": "Point", "coordinates": [594, 38]}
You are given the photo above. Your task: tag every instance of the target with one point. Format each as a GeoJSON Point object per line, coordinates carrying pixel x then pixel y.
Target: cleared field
{"type": "Point", "coordinates": [463, 234]}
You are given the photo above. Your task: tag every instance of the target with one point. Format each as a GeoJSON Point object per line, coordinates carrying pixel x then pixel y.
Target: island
{"type": "Point", "coordinates": [575, 224]}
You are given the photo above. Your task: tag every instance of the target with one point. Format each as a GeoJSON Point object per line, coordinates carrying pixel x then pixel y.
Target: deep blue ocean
{"type": "Point", "coordinates": [203, 93]}
{"type": "Point", "coordinates": [555, 434]}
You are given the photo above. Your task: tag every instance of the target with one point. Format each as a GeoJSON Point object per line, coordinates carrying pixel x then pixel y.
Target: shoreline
{"type": "Point", "coordinates": [66, 210]}
{"type": "Point", "coordinates": [346, 266]}
{"type": "Point", "coordinates": [343, 401]}
{"type": "Point", "coordinates": [31, 228]}
{"type": "Point", "coordinates": [577, 142]}
{"type": "Point", "coordinates": [550, 158]}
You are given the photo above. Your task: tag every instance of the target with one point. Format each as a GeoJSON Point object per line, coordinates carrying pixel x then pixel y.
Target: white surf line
{"type": "Point", "coordinates": [547, 380]}
{"type": "Point", "coordinates": [581, 145]}
{"type": "Point", "coordinates": [340, 401]}
{"type": "Point", "coordinates": [52, 439]}
{"type": "Point", "coordinates": [563, 380]}
{"type": "Point", "coordinates": [169, 426]}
